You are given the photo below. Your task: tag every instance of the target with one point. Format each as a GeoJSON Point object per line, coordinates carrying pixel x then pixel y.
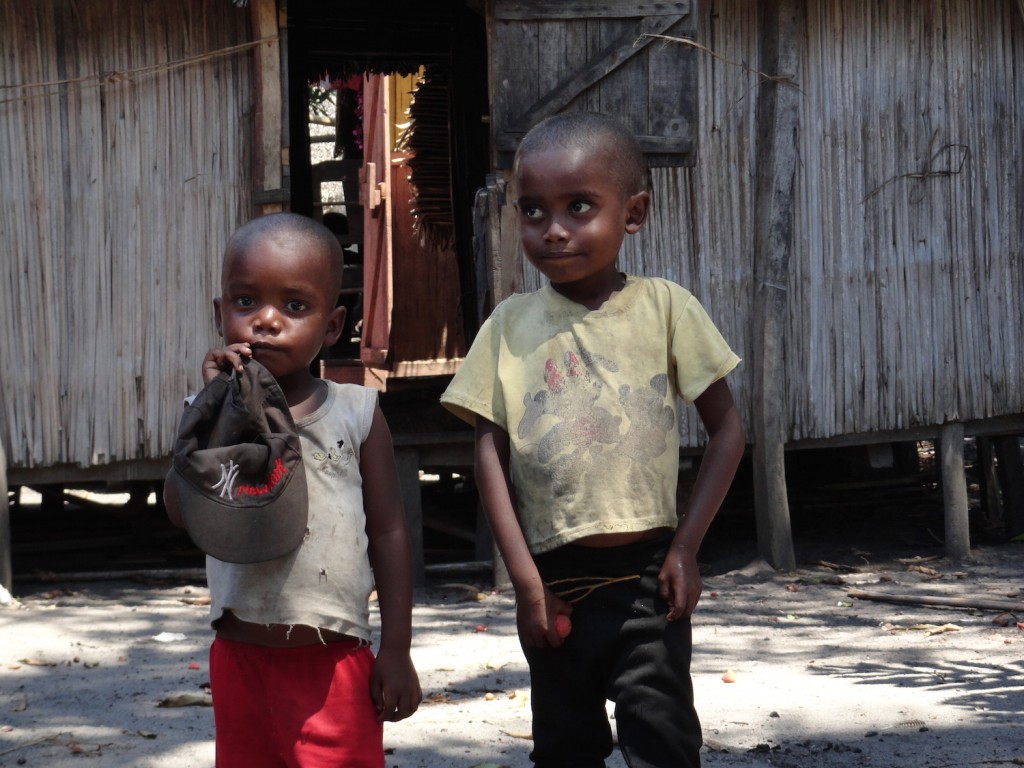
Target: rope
{"type": "Point", "coordinates": [115, 77]}
{"type": "Point", "coordinates": [586, 590]}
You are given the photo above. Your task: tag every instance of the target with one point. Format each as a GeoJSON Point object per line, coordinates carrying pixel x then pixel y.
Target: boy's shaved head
{"type": "Point", "coordinates": [600, 134]}
{"type": "Point", "coordinates": [291, 225]}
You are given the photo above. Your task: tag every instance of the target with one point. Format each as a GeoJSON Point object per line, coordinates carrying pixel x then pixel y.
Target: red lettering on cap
{"type": "Point", "coordinates": [273, 478]}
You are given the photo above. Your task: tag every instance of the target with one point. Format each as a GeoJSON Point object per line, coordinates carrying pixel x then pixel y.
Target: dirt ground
{"type": "Point", "coordinates": [114, 673]}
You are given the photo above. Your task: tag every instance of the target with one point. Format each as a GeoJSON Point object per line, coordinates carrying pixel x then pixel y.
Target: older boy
{"type": "Point", "coordinates": [294, 681]}
{"type": "Point", "coordinates": [573, 392]}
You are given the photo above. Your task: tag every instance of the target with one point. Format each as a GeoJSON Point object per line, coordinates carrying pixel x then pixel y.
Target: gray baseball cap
{"type": "Point", "coordinates": [237, 476]}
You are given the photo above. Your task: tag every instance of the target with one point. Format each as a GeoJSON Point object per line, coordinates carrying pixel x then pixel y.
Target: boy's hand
{"type": "Point", "coordinates": [535, 618]}
{"type": "Point", "coordinates": [224, 359]}
{"type": "Point", "coordinates": [394, 686]}
{"type": "Point", "coordinates": [679, 582]}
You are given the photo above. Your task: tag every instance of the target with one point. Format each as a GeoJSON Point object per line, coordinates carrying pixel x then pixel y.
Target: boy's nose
{"type": "Point", "coordinates": [556, 232]}
{"type": "Point", "coordinates": [268, 318]}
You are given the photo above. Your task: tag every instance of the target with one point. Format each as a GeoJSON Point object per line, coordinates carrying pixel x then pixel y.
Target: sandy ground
{"type": "Point", "coordinates": [87, 671]}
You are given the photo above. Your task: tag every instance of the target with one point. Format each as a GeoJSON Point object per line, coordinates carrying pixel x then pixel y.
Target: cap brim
{"type": "Point", "coordinates": [241, 534]}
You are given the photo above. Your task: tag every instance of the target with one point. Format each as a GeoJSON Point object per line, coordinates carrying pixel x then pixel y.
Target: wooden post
{"type": "Point", "coordinates": [498, 229]}
{"type": "Point", "coordinates": [407, 461]}
{"type": "Point", "coordinates": [988, 479]}
{"type": "Point", "coordinates": [1011, 480]}
{"type": "Point", "coordinates": [954, 489]}
{"type": "Point", "coordinates": [6, 573]}
{"type": "Point", "coordinates": [267, 123]}
{"type": "Point", "coordinates": [778, 130]}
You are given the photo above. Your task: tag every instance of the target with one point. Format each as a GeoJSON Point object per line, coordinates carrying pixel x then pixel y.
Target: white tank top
{"type": "Point", "coordinates": [326, 582]}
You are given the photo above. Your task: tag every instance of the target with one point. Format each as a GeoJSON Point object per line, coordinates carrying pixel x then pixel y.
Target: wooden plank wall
{"type": "Point", "coordinates": [910, 288]}
{"type": "Point", "coordinates": [907, 280]}
{"type": "Point", "coordinates": [125, 144]}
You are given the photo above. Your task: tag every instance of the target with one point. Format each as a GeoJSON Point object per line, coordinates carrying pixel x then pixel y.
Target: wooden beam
{"type": "Point", "coordinates": [70, 475]}
{"type": "Point", "coordinates": [5, 526]}
{"type": "Point", "coordinates": [954, 490]}
{"type": "Point", "coordinates": [524, 10]}
{"type": "Point", "coordinates": [180, 575]}
{"type": "Point", "coordinates": [777, 159]}
{"type": "Point", "coordinates": [993, 426]}
{"type": "Point", "coordinates": [267, 124]}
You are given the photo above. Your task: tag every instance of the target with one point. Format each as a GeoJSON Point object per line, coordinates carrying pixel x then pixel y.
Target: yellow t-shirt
{"type": "Point", "coordinates": [588, 398]}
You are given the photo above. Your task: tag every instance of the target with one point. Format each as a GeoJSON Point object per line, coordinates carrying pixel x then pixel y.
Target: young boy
{"type": "Point", "coordinates": [294, 681]}
{"type": "Point", "coordinates": [573, 393]}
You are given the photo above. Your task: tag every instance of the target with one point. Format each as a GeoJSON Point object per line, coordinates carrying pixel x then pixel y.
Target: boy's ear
{"type": "Point", "coordinates": [637, 207]}
{"type": "Point", "coordinates": [335, 325]}
{"type": "Point", "coordinates": [217, 318]}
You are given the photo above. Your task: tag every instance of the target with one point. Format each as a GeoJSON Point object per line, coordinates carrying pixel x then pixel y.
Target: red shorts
{"type": "Point", "coordinates": [304, 707]}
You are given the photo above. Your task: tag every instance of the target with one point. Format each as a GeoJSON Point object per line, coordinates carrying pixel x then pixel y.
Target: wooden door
{"type": "Point", "coordinates": [596, 55]}
{"type": "Point", "coordinates": [375, 197]}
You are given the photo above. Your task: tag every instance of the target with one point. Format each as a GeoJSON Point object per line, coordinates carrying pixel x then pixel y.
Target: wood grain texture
{"type": "Point", "coordinates": [547, 58]}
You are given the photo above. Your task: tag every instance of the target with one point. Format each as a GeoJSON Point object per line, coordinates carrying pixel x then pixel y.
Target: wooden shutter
{"type": "Point", "coordinates": [551, 57]}
{"type": "Point", "coordinates": [375, 196]}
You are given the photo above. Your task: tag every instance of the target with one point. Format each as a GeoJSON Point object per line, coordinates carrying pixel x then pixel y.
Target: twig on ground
{"type": "Point", "coordinates": [939, 602]}
{"type": "Point", "coordinates": [37, 742]}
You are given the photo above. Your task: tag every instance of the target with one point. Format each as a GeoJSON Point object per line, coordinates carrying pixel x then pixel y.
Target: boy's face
{"type": "Point", "coordinates": [276, 297]}
{"type": "Point", "coordinates": [573, 215]}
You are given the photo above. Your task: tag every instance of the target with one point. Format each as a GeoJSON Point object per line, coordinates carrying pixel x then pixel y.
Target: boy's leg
{"type": "Point", "coordinates": [649, 681]}
{"type": "Point", "coordinates": [306, 707]}
{"type": "Point", "coordinates": [568, 684]}
{"type": "Point", "coordinates": [327, 716]}
{"type": "Point", "coordinates": [570, 723]}
{"type": "Point", "coordinates": [656, 722]}
{"type": "Point", "coordinates": [242, 724]}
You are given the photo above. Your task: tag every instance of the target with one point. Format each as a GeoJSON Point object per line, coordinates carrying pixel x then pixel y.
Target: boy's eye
{"type": "Point", "coordinates": [296, 306]}
{"type": "Point", "coordinates": [531, 212]}
{"type": "Point", "coordinates": [580, 206]}
{"type": "Point", "coordinates": [244, 301]}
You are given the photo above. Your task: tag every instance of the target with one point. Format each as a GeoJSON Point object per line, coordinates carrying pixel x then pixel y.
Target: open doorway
{"type": "Point", "coordinates": [388, 144]}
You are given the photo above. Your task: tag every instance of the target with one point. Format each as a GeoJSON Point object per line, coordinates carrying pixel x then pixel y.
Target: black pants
{"type": "Point", "coordinates": [621, 649]}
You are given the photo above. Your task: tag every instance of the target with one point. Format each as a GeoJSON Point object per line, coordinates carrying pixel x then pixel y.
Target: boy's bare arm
{"type": "Point", "coordinates": [536, 606]}
{"type": "Point", "coordinates": [395, 685]}
{"type": "Point", "coordinates": [679, 581]}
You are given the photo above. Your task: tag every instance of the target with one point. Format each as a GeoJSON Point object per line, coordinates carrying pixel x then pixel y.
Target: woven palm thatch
{"type": "Point", "coordinates": [124, 153]}
{"type": "Point", "coordinates": [429, 140]}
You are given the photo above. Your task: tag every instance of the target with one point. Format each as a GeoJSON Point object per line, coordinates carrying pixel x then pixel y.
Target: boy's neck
{"type": "Point", "coordinates": [304, 393]}
{"type": "Point", "coordinates": [593, 295]}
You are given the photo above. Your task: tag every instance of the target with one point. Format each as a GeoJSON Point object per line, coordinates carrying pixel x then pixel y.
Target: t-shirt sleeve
{"type": "Point", "coordinates": [700, 354]}
{"type": "Point", "coordinates": [475, 389]}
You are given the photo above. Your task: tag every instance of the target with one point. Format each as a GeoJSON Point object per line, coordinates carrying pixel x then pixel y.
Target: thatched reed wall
{"type": "Point", "coordinates": [125, 163]}
{"type": "Point", "coordinates": [906, 288]}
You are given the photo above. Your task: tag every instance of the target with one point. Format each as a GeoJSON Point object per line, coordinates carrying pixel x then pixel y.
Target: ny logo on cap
{"type": "Point", "coordinates": [228, 474]}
